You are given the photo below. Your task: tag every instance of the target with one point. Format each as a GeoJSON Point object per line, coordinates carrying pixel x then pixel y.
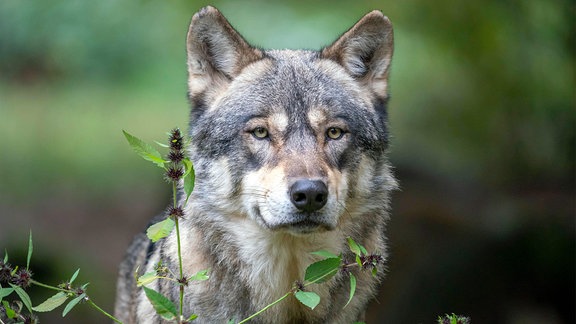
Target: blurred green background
{"type": "Point", "coordinates": [482, 117]}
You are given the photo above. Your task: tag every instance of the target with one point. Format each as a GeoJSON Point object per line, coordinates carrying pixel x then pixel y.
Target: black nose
{"type": "Point", "coordinates": [309, 195]}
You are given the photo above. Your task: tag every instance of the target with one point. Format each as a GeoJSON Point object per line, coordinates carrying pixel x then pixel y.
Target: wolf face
{"type": "Point", "coordinates": [302, 134]}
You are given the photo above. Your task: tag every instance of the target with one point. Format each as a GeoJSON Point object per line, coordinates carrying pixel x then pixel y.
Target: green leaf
{"type": "Point", "coordinates": [358, 260]}
{"type": "Point", "coordinates": [321, 271]}
{"type": "Point", "coordinates": [23, 297]}
{"type": "Point", "coordinates": [189, 178]}
{"type": "Point", "coordinates": [192, 317]}
{"type": "Point", "coordinates": [74, 276]}
{"type": "Point", "coordinates": [200, 275]}
{"type": "Point", "coordinates": [162, 144]}
{"type": "Point", "coordinates": [72, 304]}
{"type": "Point", "coordinates": [354, 247]}
{"type": "Point", "coordinates": [145, 150]}
{"type": "Point", "coordinates": [188, 167]}
{"type": "Point", "coordinates": [5, 292]}
{"type": "Point", "coordinates": [160, 230]}
{"type": "Point", "coordinates": [51, 303]}
{"type": "Point", "coordinates": [352, 288]}
{"type": "Point", "coordinates": [324, 253]}
{"type": "Point", "coordinates": [163, 306]}
{"type": "Point", "coordinates": [147, 278]}
{"type": "Point", "coordinates": [30, 248]}
{"type": "Point", "coordinates": [308, 298]}
{"type": "Point", "coordinates": [10, 313]}
{"type": "Point", "coordinates": [5, 256]}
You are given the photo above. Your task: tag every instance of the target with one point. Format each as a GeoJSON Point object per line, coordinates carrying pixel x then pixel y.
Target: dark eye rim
{"type": "Point", "coordinates": [340, 134]}
{"type": "Point", "coordinates": [262, 129]}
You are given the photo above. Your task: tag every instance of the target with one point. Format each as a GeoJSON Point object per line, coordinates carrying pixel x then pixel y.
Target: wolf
{"type": "Point", "coordinates": [290, 151]}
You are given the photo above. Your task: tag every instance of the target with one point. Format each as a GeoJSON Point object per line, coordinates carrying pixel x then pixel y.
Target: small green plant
{"type": "Point", "coordinates": [323, 270]}
{"type": "Point", "coordinates": [177, 169]}
{"type": "Point", "coordinates": [15, 280]}
{"type": "Point", "coordinates": [453, 319]}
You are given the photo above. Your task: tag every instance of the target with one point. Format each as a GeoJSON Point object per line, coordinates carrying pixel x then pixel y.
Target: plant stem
{"type": "Point", "coordinates": [68, 291]}
{"type": "Point", "coordinates": [174, 192]}
{"type": "Point", "coordinates": [34, 282]}
{"type": "Point", "coordinates": [181, 270]}
{"type": "Point", "coordinates": [176, 222]}
{"type": "Point", "coordinates": [103, 311]}
{"type": "Point", "coordinates": [265, 308]}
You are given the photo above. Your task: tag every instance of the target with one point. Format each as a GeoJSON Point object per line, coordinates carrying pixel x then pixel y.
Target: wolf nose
{"type": "Point", "coordinates": [309, 195]}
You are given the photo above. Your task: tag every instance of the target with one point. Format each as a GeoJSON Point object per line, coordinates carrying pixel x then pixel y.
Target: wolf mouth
{"type": "Point", "coordinates": [305, 227]}
{"type": "Point", "coordinates": [300, 223]}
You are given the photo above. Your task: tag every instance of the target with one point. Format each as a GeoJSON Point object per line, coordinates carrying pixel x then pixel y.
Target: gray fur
{"type": "Point", "coordinates": [241, 222]}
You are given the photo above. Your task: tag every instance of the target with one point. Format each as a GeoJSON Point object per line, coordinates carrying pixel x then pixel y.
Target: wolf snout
{"type": "Point", "coordinates": [309, 195]}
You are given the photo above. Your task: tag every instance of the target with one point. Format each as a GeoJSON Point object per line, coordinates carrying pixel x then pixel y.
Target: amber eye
{"type": "Point", "coordinates": [260, 132]}
{"type": "Point", "coordinates": [334, 133]}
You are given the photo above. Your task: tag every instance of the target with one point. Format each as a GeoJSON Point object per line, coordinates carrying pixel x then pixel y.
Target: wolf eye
{"type": "Point", "coordinates": [334, 133]}
{"type": "Point", "coordinates": [260, 132]}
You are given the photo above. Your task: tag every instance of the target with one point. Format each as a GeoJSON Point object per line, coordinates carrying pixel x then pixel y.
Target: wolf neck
{"type": "Point", "coordinates": [267, 263]}
{"type": "Point", "coordinates": [278, 258]}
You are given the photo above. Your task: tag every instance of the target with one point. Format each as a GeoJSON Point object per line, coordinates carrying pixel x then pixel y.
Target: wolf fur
{"type": "Point", "coordinates": [289, 148]}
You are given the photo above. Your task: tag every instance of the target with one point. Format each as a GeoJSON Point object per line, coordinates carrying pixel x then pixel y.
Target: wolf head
{"type": "Point", "coordinates": [294, 141]}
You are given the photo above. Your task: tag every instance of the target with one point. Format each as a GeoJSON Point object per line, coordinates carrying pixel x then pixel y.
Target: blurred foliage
{"type": "Point", "coordinates": [80, 39]}
{"type": "Point", "coordinates": [497, 75]}
{"type": "Point", "coordinates": [482, 114]}
{"type": "Point", "coordinates": [497, 89]}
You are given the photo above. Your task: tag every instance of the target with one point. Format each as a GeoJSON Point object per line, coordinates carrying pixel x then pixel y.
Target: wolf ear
{"type": "Point", "coordinates": [365, 51]}
{"type": "Point", "coordinates": [216, 52]}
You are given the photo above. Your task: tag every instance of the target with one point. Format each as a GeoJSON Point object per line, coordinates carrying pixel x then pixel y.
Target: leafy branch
{"type": "Point", "coordinates": [178, 169]}
{"type": "Point", "coordinates": [18, 280]}
{"type": "Point", "coordinates": [453, 319]}
{"type": "Point", "coordinates": [323, 270]}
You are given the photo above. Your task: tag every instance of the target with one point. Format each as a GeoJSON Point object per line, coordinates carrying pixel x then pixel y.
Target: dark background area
{"type": "Point", "coordinates": [482, 118]}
